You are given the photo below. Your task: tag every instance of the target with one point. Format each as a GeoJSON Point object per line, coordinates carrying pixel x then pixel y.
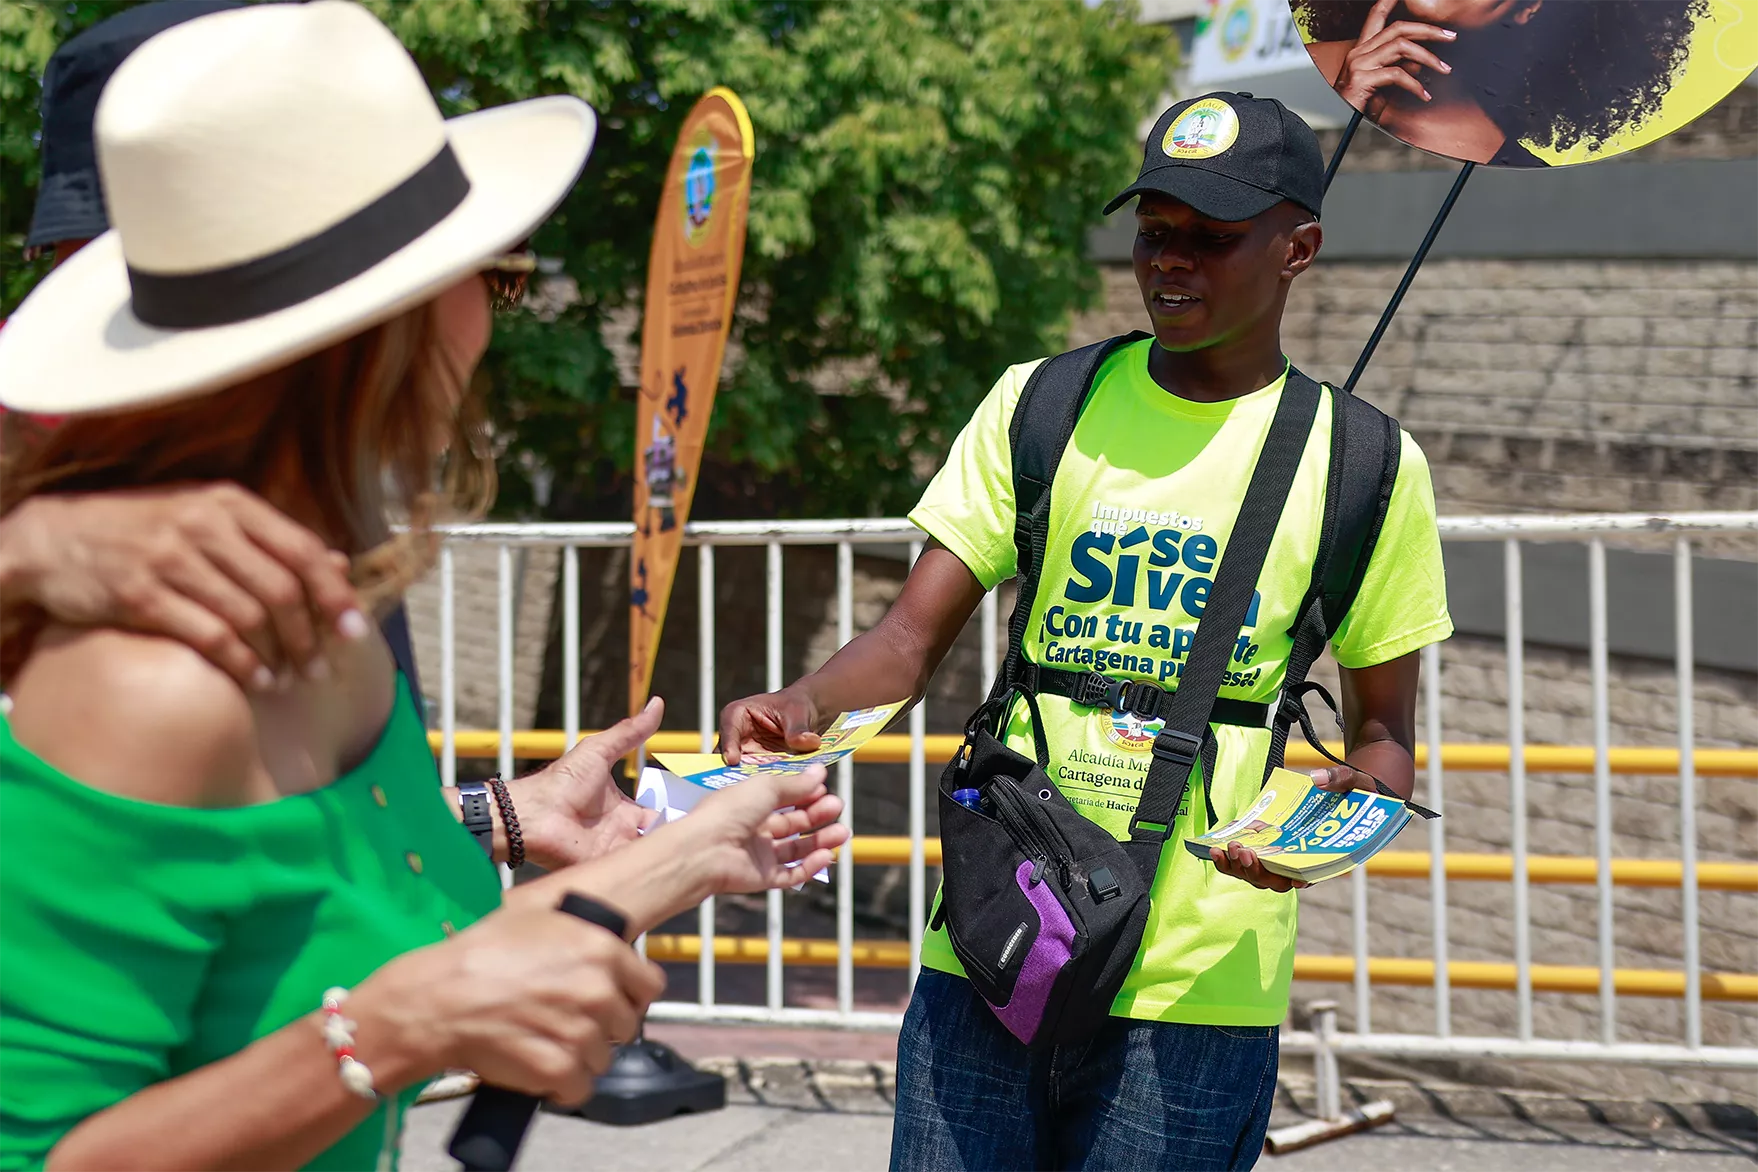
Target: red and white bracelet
{"type": "Point", "coordinates": [339, 1036]}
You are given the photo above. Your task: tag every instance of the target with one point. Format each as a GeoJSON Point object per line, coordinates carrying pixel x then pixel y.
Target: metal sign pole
{"type": "Point", "coordinates": [1434, 230]}
{"type": "Point", "coordinates": [1342, 148]}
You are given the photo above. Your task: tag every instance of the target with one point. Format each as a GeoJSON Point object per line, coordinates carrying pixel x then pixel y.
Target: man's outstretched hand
{"type": "Point", "coordinates": [211, 566]}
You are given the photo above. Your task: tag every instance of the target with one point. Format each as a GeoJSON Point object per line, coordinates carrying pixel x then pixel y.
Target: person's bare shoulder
{"type": "Point", "coordinates": [137, 716]}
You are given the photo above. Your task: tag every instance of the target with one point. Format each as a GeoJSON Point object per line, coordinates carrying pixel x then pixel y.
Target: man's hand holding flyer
{"type": "Point", "coordinates": [1302, 832]}
{"type": "Point", "coordinates": [684, 779]}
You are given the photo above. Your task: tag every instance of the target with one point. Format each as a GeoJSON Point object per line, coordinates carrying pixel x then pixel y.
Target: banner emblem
{"type": "Point", "coordinates": [699, 188]}
{"type": "Point", "coordinates": [1237, 28]}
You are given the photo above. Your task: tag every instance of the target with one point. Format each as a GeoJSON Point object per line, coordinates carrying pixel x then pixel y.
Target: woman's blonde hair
{"type": "Point", "coordinates": [360, 422]}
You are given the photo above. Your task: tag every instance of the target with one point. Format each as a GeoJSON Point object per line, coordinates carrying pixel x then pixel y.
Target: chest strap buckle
{"type": "Point", "coordinates": [1172, 745]}
{"type": "Point", "coordinates": [1137, 697]}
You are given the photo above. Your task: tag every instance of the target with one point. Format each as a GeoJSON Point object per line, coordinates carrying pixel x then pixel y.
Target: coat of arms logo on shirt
{"type": "Point", "coordinates": [1126, 730]}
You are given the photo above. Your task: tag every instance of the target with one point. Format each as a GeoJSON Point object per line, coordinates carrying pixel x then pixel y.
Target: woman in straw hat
{"type": "Point", "coordinates": [241, 928]}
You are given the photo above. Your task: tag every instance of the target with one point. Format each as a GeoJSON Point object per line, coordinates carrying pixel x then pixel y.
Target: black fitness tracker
{"type": "Point", "coordinates": [473, 800]}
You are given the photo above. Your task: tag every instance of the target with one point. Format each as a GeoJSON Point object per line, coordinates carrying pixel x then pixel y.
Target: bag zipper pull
{"type": "Point", "coordinates": [1037, 876]}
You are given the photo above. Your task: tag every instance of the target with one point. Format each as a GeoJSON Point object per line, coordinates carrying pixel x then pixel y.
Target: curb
{"type": "Point", "coordinates": [855, 1087]}
{"type": "Point", "coordinates": [829, 1084]}
{"type": "Point", "coordinates": [1437, 1100]}
{"type": "Point", "coordinates": [824, 1084]}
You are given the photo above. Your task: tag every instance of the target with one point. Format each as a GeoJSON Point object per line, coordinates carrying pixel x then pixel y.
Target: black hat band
{"type": "Point", "coordinates": [301, 271]}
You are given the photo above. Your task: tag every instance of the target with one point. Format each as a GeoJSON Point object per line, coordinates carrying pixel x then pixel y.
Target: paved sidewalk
{"type": "Point", "coordinates": [790, 1114]}
{"type": "Point", "coordinates": [765, 1139]}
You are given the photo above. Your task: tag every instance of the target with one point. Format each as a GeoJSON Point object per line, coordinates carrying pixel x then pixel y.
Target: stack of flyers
{"type": "Point", "coordinates": [1302, 832]}
{"type": "Point", "coordinates": [687, 778]}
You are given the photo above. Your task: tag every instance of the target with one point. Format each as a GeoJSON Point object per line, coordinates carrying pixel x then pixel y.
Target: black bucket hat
{"type": "Point", "coordinates": [70, 201]}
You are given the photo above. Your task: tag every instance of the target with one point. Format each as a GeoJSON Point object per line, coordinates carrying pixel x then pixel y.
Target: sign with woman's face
{"type": "Point", "coordinates": [1530, 83]}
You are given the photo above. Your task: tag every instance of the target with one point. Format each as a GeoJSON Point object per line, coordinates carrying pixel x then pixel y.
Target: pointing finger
{"type": "Point", "coordinates": [626, 735]}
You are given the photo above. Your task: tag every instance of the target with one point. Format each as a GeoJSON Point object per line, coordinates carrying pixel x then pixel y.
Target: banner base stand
{"type": "Point", "coordinates": [1314, 1131]}
{"type": "Point", "coordinates": [1332, 1122]}
{"type": "Point", "coordinates": [649, 1081]}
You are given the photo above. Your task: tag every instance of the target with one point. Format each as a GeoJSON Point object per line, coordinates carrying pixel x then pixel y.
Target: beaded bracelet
{"type": "Point", "coordinates": [509, 822]}
{"type": "Point", "coordinates": [339, 1036]}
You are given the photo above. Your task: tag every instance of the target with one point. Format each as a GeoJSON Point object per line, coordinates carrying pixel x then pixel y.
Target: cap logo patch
{"type": "Point", "coordinates": [1201, 132]}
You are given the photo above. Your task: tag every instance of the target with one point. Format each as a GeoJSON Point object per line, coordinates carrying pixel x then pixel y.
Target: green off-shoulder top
{"type": "Point", "coordinates": [139, 941]}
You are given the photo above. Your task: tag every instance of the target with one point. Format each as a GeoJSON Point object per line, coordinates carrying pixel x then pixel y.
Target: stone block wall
{"type": "Point", "coordinates": [1648, 922]}
{"type": "Point", "coordinates": [1596, 395]}
{"type": "Point", "coordinates": [476, 630]}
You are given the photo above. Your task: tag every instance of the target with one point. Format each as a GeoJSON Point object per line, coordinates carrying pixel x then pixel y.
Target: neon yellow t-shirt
{"type": "Point", "coordinates": [1142, 506]}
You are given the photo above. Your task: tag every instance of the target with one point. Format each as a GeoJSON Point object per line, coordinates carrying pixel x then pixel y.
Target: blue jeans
{"type": "Point", "coordinates": [1137, 1095]}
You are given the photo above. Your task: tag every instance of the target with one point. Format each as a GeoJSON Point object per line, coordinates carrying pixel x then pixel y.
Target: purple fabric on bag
{"type": "Point", "coordinates": [1048, 955]}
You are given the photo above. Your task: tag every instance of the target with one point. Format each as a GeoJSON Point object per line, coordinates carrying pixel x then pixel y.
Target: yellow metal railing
{"type": "Point", "coordinates": [546, 744]}
{"type": "Point", "coordinates": [895, 850]}
{"type": "Point", "coordinates": [543, 744]}
{"type": "Point", "coordinates": [1550, 978]}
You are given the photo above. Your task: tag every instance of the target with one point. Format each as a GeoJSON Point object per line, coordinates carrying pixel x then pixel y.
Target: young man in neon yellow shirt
{"type": "Point", "coordinates": [1183, 1074]}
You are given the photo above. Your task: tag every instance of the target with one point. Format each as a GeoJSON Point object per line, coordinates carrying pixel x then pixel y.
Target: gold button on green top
{"type": "Point", "coordinates": [378, 795]}
{"type": "Point", "coordinates": [446, 927]}
{"type": "Point", "coordinates": [414, 861]}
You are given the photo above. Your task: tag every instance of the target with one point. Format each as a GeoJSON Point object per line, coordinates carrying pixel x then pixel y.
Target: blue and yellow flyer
{"type": "Point", "coordinates": [1302, 832]}
{"type": "Point", "coordinates": [846, 733]}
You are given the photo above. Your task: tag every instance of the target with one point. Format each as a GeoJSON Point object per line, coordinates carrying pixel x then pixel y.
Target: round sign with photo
{"type": "Point", "coordinates": [1530, 83]}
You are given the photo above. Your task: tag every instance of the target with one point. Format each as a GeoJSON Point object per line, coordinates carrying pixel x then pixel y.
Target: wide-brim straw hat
{"type": "Point", "coordinates": [278, 178]}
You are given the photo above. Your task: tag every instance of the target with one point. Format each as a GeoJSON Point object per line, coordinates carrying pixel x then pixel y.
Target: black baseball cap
{"type": "Point", "coordinates": [1231, 157]}
{"type": "Point", "coordinates": [70, 202]}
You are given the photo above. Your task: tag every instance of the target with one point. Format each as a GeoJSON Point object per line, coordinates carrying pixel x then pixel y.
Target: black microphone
{"type": "Point", "coordinates": [488, 1136]}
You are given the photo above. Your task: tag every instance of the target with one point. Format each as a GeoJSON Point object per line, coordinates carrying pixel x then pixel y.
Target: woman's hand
{"type": "Point", "coordinates": [572, 811]}
{"type": "Point", "coordinates": [763, 832]}
{"type": "Point", "coordinates": [775, 722]}
{"type": "Point", "coordinates": [1385, 57]}
{"type": "Point", "coordinates": [1242, 863]}
{"type": "Point", "coordinates": [742, 838]}
{"type": "Point", "coordinates": [529, 998]}
{"type": "Point", "coordinates": [211, 566]}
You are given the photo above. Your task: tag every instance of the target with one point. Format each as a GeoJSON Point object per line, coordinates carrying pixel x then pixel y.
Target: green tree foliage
{"type": "Point", "coordinates": [926, 175]}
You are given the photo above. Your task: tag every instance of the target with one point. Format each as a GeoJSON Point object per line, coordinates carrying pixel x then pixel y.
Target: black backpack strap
{"type": "Point", "coordinates": [1186, 736]}
{"type": "Point", "coordinates": [1043, 420]}
{"type": "Point", "coordinates": [1365, 447]}
{"type": "Point", "coordinates": [1367, 456]}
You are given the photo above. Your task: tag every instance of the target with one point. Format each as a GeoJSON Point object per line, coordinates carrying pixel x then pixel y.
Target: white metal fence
{"type": "Point", "coordinates": [848, 535]}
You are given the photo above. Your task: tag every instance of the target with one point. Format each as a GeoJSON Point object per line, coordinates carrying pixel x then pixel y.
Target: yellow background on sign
{"type": "Point", "coordinates": [1724, 52]}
